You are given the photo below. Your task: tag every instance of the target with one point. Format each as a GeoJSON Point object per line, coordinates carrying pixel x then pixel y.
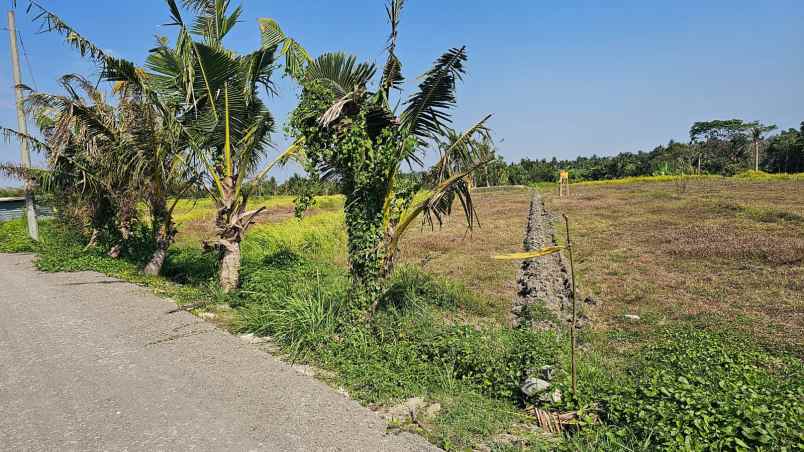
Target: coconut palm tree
{"type": "Point", "coordinates": [226, 123]}
{"type": "Point", "coordinates": [758, 131]}
{"type": "Point", "coordinates": [350, 129]}
{"type": "Point", "coordinates": [206, 99]}
{"type": "Point", "coordinates": [85, 141]}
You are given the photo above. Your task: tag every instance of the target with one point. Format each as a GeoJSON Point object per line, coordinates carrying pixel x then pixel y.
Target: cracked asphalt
{"type": "Point", "coordinates": [91, 363]}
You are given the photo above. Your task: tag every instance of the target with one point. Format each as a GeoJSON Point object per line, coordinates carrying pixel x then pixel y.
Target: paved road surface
{"type": "Point", "coordinates": [91, 363]}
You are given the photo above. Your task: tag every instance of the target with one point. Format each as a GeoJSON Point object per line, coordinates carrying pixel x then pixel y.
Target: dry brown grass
{"type": "Point", "coordinates": [734, 248]}
{"type": "Point", "coordinates": [466, 257]}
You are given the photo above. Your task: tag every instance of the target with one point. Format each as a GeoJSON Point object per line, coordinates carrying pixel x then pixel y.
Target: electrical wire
{"type": "Point", "coordinates": [27, 60]}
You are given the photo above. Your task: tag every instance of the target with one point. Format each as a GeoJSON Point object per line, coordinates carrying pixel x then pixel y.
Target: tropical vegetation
{"type": "Point", "coordinates": [159, 177]}
{"type": "Point", "coordinates": [354, 134]}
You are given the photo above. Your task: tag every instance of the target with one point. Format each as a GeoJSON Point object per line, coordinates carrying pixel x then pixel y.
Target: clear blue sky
{"type": "Point", "coordinates": [563, 78]}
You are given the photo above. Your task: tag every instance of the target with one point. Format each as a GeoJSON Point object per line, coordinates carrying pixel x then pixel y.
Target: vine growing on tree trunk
{"type": "Point", "coordinates": [355, 135]}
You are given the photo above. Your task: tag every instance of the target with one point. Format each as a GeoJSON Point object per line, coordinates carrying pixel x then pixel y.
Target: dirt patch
{"type": "Point", "coordinates": [647, 249]}
{"type": "Point", "coordinates": [466, 256]}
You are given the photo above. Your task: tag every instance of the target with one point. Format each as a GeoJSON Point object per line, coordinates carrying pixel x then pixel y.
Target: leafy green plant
{"type": "Point", "coordinates": [14, 237]}
{"type": "Point", "coordinates": [355, 134]}
{"type": "Point", "coordinates": [700, 390]}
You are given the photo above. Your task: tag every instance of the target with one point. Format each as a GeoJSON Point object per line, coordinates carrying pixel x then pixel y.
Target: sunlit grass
{"type": "Point", "coordinates": [194, 209]}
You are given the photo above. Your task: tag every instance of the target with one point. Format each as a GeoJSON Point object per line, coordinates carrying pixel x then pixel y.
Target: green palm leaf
{"type": "Point", "coordinates": [392, 71]}
{"type": "Point", "coordinates": [340, 72]}
{"type": "Point", "coordinates": [427, 110]}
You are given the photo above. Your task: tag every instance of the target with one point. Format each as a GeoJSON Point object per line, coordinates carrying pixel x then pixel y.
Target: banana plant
{"type": "Point", "coordinates": [357, 130]}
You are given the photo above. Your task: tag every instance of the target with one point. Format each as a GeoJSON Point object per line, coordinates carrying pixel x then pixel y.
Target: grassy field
{"type": "Point", "coordinates": [729, 247]}
{"type": "Point", "coordinates": [466, 256]}
{"type": "Point", "coordinates": [450, 251]}
{"type": "Point", "coordinates": [713, 268]}
{"type": "Point", "coordinates": [195, 217]}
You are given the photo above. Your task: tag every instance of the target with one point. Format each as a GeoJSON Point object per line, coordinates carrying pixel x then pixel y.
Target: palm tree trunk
{"type": "Point", "coordinates": [229, 234]}
{"type": "Point", "coordinates": [364, 227]}
{"type": "Point", "coordinates": [154, 266]}
{"type": "Point", "coordinates": [229, 277]}
{"type": "Point", "coordinates": [164, 232]}
{"type": "Point", "coordinates": [125, 234]}
{"type": "Point", "coordinates": [756, 155]}
{"type": "Point", "coordinates": [165, 235]}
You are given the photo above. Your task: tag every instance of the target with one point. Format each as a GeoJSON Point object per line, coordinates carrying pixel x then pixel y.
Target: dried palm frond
{"type": "Point", "coordinates": [529, 254]}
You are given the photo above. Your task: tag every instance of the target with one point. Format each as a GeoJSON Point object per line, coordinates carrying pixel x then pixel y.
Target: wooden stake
{"type": "Point", "coordinates": [25, 155]}
{"type": "Point", "coordinates": [572, 298]}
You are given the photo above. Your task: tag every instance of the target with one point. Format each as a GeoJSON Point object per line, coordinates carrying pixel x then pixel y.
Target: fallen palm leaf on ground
{"type": "Point", "coordinates": [529, 254]}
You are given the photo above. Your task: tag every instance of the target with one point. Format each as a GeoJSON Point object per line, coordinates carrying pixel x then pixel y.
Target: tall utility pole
{"type": "Point", "coordinates": [25, 154]}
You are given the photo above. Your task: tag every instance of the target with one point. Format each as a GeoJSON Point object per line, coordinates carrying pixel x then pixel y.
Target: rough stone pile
{"type": "Point", "coordinates": [543, 281]}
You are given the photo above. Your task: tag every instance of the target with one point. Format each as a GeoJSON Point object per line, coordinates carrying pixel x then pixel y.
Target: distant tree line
{"type": "Point", "coordinates": [723, 147]}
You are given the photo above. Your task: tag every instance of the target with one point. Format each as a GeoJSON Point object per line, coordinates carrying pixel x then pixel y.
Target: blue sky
{"type": "Point", "coordinates": [563, 78]}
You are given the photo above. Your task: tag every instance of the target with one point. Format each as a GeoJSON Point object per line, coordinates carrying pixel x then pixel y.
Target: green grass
{"type": "Point", "coordinates": [14, 237]}
{"type": "Point", "coordinates": [689, 385]}
{"type": "Point", "coordinates": [705, 390]}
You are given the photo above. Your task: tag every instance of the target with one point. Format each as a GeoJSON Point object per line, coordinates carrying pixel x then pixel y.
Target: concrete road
{"type": "Point", "coordinates": [92, 363]}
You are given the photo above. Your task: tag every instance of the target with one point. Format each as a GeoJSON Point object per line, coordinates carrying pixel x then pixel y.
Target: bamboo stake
{"type": "Point", "coordinates": [572, 298]}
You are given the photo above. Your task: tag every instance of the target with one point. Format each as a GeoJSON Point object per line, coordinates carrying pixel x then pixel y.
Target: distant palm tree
{"type": "Point", "coordinates": [757, 136]}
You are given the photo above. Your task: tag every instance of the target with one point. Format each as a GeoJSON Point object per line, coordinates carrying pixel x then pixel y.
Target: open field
{"type": "Point", "coordinates": [450, 251]}
{"type": "Point", "coordinates": [195, 217]}
{"type": "Point", "coordinates": [730, 247]}
{"type": "Point", "coordinates": [698, 266]}
{"type": "Point", "coordinates": [466, 256]}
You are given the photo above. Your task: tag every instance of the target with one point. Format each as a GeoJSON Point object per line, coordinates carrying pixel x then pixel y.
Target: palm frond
{"type": "Point", "coordinates": [427, 110]}
{"type": "Point", "coordinates": [293, 151]}
{"type": "Point", "coordinates": [257, 68]}
{"type": "Point", "coordinates": [392, 71]}
{"type": "Point", "coordinates": [437, 205]}
{"type": "Point", "coordinates": [33, 143]}
{"type": "Point", "coordinates": [49, 22]}
{"type": "Point", "coordinates": [42, 178]}
{"type": "Point", "coordinates": [273, 38]}
{"type": "Point", "coordinates": [340, 72]}
{"type": "Point", "coordinates": [213, 23]}
{"type": "Point", "coordinates": [458, 152]}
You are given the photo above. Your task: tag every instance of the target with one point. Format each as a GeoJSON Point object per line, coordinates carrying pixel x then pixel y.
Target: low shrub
{"type": "Point", "coordinates": [411, 287]}
{"type": "Point", "coordinates": [703, 390]}
{"type": "Point", "coordinates": [14, 237]}
{"type": "Point", "coordinates": [407, 349]}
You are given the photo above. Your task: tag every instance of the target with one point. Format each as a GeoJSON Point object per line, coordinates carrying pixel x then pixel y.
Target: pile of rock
{"type": "Point", "coordinates": [538, 386]}
{"type": "Point", "coordinates": [545, 280]}
{"type": "Point", "coordinates": [410, 410]}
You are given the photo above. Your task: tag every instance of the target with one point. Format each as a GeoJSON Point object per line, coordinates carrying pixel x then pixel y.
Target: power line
{"type": "Point", "coordinates": [25, 54]}
{"type": "Point", "coordinates": [27, 61]}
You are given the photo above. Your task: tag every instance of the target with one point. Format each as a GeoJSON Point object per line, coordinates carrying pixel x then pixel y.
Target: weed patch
{"type": "Point", "coordinates": [14, 237]}
{"type": "Point", "coordinates": [704, 390]}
